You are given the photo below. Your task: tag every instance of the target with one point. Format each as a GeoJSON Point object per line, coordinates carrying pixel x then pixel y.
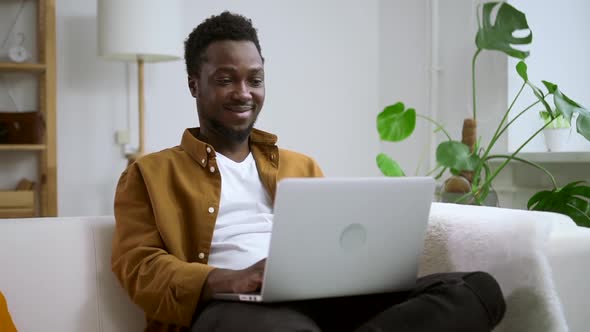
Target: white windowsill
{"type": "Point", "coordinates": [551, 157]}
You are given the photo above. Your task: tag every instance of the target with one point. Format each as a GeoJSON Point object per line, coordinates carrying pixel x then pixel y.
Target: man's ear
{"type": "Point", "coordinates": [192, 86]}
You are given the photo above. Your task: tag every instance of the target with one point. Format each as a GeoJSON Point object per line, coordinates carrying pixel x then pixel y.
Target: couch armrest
{"type": "Point", "coordinates": [568, 250]}
{"type": "Point", "coordinates": [509, 244]}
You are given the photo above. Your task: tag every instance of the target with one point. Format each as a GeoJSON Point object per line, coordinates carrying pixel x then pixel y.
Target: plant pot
{"type": "Point", "coordinates": [448, 197]}
{"type": "Point", "coordinates": [565, 140]}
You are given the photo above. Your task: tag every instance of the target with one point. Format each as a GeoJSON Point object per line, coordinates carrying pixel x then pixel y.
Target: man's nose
{"type": "Point", "coordinates": [242, 92]}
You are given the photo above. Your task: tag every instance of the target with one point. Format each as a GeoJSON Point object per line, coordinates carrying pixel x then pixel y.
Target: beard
{"type": "Point", "coordinates": [237, 136]}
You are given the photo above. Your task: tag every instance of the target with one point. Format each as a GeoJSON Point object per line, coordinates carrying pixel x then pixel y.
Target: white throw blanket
{"type": "Point", "coordinates": [510, 245]}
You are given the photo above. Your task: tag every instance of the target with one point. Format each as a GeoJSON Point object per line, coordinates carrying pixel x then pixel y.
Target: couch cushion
{"type": "Point", "coordinates": [55, 274]}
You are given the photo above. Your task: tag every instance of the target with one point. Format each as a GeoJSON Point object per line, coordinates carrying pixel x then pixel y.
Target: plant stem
{"type": "Point", "coordinates": [497, 171]}
{"type": "Point", "coordinates": [486, 192]}
{"type": "Point", "coordinates": [473, 82]}
{"type": "Point", "coordinates": [474, 106]}
{"type": "Point", "coordinates": [508, 111]}
{"type": "Point", "coordinates": [438, 125]}
{"type": "Point", "coordinates": [530, 163]}
{"type": "Point", "coordinates": [517, 116]}
{"type": "Point", "coordinates": [438, 176]}
{"type": "Point", "coordinates": [499, 132]}
{"type": "Point", "coordinates": [479, 195]}
{"type": "Point", "coordinates": [434, 170]}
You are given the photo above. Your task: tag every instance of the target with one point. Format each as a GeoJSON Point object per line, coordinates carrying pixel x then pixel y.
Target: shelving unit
{"type": "Point", "coordinates": [22, 67]}
{"type": "Point", "coordinates": [45, 71]}
{"type": "Point", "coordinates": [22, 147]}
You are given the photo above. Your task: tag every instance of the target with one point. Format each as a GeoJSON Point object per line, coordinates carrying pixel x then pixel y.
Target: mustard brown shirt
{"type": "Point", "coordinates": [166, 206]}
{"type": "Point", "coordinates": [6, 324]}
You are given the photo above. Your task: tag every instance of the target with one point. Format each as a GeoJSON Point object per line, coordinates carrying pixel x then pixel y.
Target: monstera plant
{"type": "Point", "coordinates": [468, 159]}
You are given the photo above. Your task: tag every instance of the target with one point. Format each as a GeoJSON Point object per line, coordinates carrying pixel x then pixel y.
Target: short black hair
{"type": "Point", "coordinates": [225, 26]}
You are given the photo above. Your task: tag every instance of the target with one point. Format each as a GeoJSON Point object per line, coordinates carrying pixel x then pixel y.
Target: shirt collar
{"type": "Point", "coordinates": [201, 151]}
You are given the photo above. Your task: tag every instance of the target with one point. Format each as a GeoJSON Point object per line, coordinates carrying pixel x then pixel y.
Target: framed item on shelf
{"type": "Point", "coordinates": [21, 127]}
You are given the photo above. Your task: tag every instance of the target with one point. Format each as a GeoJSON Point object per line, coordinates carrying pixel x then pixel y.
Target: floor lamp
{"type": "Point", "coordinates": [140, 31]}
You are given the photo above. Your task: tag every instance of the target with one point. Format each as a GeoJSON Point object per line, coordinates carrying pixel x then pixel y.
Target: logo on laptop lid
{"type": "Point", "coordinates": [353, 237]}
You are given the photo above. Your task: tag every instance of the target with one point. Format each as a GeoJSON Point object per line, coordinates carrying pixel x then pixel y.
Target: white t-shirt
{"type": "Point", "coordinates": [244, 222]}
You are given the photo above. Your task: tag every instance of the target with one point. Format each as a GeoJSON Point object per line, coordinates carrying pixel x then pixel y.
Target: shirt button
{"type": "Point", "coordinates": [201, 255]}
{"type": "Point", "coordinates": [211, 210]}
{"type": "Point", "coordinates": [203, 161]}
{"type": "Point", "coordinates": [212, 169]}
{"type": "Point", "coordinates": [208, 150]}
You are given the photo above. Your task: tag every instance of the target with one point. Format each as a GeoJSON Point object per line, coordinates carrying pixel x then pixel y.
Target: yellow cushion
{"type": "Point", "coordinates": [6, 324]}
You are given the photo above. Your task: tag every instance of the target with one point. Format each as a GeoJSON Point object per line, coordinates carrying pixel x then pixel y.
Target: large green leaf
{"type": "Point", "coordinates": [521, 69]}
{"type": "Point", "coordinates": [388, 166]}
{"type": "Point", "coordinates": [456, 155]}
{"type": "Point", "coordinates": [395, 123]}
{"type": "Point", "coordinates": [568, 108]}
{"type": "Point", "coordinates": [498, 35]}
{"type": "Point", "coordinates": [583, 124]}
{"type": "Point", "coordinates": [572, 200]}
{"type": "Point", "coordinates": [550, 86]}
{"type": "Point", "coordinates": [536, 198]}
{"type": "Point", "coordinates": [564, 105]}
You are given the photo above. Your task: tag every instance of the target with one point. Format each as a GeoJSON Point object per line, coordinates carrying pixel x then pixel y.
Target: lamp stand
{"type": "Point", "coordinates": [131, 158]}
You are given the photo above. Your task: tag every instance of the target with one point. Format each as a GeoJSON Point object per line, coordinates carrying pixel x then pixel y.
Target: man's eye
{"type": "Point", "coordinates": [257, 82]}
{"type": "Point", "coordinates": [223, 81]}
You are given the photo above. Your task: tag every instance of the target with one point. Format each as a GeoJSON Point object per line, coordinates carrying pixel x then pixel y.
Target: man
{"type": "Point", "coordinates": [195, 219]}
{"type": "Point", "coordinates": [6, 324]}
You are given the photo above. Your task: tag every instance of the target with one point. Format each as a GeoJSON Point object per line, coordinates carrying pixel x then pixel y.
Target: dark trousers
{"type": "Point", "coordinates": [440, 302]}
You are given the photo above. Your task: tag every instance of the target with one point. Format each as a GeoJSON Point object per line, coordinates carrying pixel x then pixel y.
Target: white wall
{"type": "Point", "coordinates": [331, 67]}
{"type": "Point", "coordinates": [322, 92]}
{"type": "Point", "coordinates": [559, 54]}
{"type": "Point", "coordinates": [404, 73]}
{"type": "Point", "coordinates": [458, 27]}
{"type": "Point", "coordinates": [423, 43]}
{"type": "Point", "coordinates": [497, 83]}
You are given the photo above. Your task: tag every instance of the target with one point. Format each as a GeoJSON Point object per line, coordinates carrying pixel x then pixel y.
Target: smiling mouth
{"type": "Point", "coordinates": [240, 112]}
{"type": "Point", "coordinates": [239, 109]}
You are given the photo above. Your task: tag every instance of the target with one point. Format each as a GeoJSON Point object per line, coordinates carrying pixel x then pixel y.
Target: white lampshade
{"type": "Point", "coordinates": [129, 30]}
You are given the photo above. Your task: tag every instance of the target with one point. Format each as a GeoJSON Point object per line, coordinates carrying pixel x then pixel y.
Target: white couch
{"type": "Point", "coordinates": [55, 272]}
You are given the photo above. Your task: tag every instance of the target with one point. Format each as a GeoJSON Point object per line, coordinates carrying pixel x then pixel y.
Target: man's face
{"type": "Point", "coordinates": [229, 89]}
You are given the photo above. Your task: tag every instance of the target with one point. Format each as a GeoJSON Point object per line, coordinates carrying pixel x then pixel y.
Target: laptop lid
{"type": "Point", "coordinates": [346, 236]}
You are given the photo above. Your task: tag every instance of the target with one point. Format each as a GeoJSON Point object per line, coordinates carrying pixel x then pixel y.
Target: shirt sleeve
{"type": "Point", "coordinates": [315, 169]}
{"type": "Point", "coordinates": [165, 287]}
{"type": "Point", "coordinates": [6, 324]}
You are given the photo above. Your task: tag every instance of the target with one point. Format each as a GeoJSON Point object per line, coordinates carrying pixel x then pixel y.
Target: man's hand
{"type": "Point", "coordinates": [235, 281]}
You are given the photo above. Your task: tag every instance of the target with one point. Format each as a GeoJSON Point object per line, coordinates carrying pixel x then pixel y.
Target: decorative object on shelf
{"type": "Point", "coordinates": [19, 53]}
{"type": "Point", "coordinates": [446, 193]}
{"type": "Point", "coordinates": [140, 31]}
{"type": "Point", "coordinates": [20, 202]}
{"type": "Point", "coordinates": [21, 127]}
{"type": "Point", "coordinates": [468, 160]}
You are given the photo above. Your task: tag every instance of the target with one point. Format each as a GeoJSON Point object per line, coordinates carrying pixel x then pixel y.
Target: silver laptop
{"type": "Point", "coordinates": [337, 237]}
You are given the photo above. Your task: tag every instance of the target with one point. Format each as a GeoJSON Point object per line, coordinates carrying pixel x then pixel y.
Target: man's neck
{"type": "Point", "coordinates": [236, 151]}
